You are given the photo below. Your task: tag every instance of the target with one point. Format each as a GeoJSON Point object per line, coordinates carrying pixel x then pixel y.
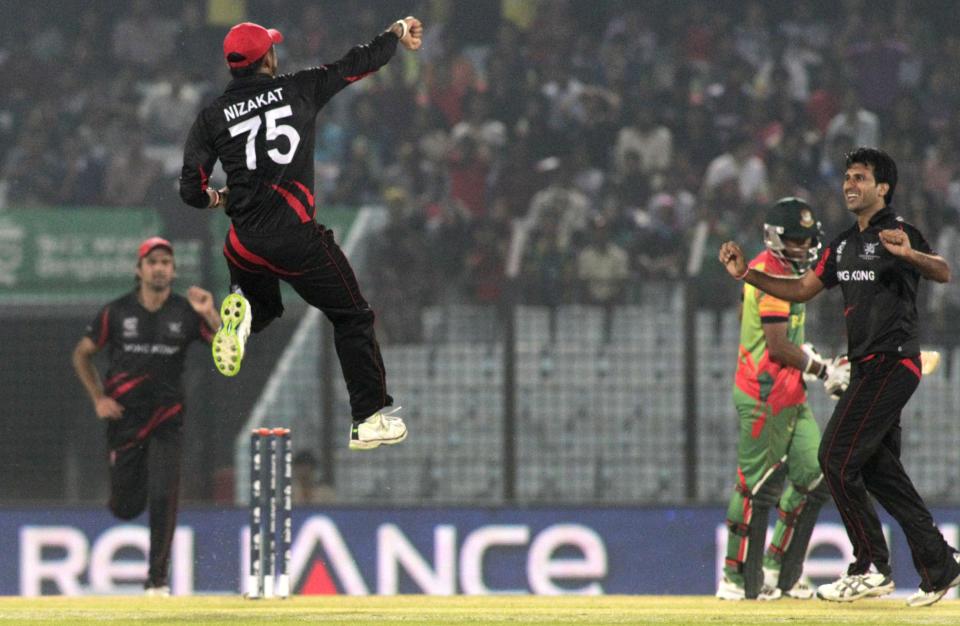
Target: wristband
{"type": "Point", "coordinates": [815, 367]}
{"type": "Point", "coordinates": [744, 275]}
{"type": "Point", "coordinates": [403, 28]}
{"type": "Point", "coordinates": [214, 203]}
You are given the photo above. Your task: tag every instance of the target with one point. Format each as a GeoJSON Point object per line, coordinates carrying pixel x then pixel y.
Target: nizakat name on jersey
{"type": "Point", "coordinates": [150, 348]}
{"type": "Point", "coordinates": [239, 109]}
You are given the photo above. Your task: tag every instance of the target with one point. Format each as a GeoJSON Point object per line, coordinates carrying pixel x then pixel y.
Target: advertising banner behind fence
{"type": "Point", "coordinates": [87, 254]}
{"type": "Point", "coordinates": [391, 551]}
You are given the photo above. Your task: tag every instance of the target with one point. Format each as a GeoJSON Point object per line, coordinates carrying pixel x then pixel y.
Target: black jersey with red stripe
{"type": "Point", "coordinates": [879, 289]}
{"type": "Point", "coordinates": [263, 131]}
{"type": "Point", "coordinates": [146, 350]}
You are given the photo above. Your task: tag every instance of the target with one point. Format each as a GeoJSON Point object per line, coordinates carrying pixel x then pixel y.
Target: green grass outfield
{"type": "Point", "coordinates": [443, 611]}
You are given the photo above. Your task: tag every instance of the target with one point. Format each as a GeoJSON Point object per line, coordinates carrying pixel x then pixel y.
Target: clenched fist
{"type": "Point", "coordinates": [732, 258]}
{"type": "Point", "coordinates": [411, 32]}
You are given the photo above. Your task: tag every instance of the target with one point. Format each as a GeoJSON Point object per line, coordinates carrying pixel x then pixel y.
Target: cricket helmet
{"type": "Point", "coordinates": [792, 218]}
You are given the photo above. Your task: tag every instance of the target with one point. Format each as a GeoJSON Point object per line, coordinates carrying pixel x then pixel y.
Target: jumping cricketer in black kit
{"type": "Point", "coordinates": [878, 263]}
{"type": "Point", "coordinates": [262, 129]}
{"type": "Point", "coordinates": [146, 334]}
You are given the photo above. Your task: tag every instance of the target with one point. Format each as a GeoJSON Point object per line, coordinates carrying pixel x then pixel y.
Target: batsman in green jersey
{"type": "Point", "coordinates": [778, 436]}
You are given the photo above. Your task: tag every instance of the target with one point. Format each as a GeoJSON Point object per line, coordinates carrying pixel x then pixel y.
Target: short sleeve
{"type": "Point", "coordinates": [772, 309]}
{"type": "Point", "coordinates": [98, 330]}
{"type": "Point", "coordinates": [918, 242]}
{"type": "Point", "coordinates": [826, 268]}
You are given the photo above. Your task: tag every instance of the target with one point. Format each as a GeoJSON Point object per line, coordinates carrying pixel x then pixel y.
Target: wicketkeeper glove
{"type": "Point", "coordinates": [837, 378]}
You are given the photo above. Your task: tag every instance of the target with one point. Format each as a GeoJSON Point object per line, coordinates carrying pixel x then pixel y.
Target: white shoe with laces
{"type": "Point", "coordinates": [856, 586]}
{"type": "Point", "coordinates": [381, 428]}
{"type": "Point", "coordinates": [729, 590]}
{"type": "Point", "coordinates": [926, 598]}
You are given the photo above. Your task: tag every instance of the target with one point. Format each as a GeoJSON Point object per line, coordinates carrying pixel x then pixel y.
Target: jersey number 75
{"type": "Point", "coordinates": [274, 131]}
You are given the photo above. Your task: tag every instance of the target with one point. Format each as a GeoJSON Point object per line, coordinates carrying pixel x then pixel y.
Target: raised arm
{"type": "Point", "coordinates": [791, 289]}
{"type": "Point", "coordinates": [930, 266]}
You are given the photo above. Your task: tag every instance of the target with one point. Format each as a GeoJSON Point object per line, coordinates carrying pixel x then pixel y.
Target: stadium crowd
{"type": "Point", "coordinates": [604, 132]}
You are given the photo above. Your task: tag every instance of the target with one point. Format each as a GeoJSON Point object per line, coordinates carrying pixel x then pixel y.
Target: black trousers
{"type": "Point", "coordinates": [308, 258]}
{"type": "Point", "coordinates": [860, 457]}
{"type": "Point", "coordinates": [147, 471]}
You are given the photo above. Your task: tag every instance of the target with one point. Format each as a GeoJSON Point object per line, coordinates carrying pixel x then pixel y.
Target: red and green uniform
{"type": "Point", "coordinates": [777, 431]}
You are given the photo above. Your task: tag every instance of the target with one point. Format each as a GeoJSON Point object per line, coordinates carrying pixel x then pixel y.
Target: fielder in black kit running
{"type": "Point", "coordinates": [878, 263]}
{"type": "Point", "coordinates": [262, 129]}
{"type": "Point", "coordinates": [146, 334]}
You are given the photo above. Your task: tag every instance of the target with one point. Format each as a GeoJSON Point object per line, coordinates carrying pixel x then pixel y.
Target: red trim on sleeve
{"type": "Point", "coordinates": [353, 79]}
{"type": "Point", "coordinates": [910, 365]}
{"type": "Point", "coordinates": [104, 328]}
{"type": "Point", "coordinates": [823, 263]}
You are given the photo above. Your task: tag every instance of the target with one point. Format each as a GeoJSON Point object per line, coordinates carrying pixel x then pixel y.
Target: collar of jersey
{"type": "Point", "coordinates": [881, 215]}
{"type": "Point", "coordinates": [246, 81]}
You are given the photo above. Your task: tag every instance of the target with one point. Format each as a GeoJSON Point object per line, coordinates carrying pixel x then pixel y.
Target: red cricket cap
{"type": "Point", "coordinates": [148, 246]}
{"type": "Point", "coordinates": [250, 41]}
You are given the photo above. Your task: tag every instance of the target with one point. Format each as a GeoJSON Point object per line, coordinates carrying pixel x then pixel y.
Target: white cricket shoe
{"type": "Point", "coordinates": [228, 344]}
{"type": "Point", "coordinates": [768, 594]}
{"type": "Point", "coordinates": [379, 429]}
{"type": "Point", "coordinates": [163, 591]}
{"type": "Point", "coordinates": [729, 590]}
{"type": "Point", "coordinates": [926, 598]}
{"type": "Point", "coordinates": [803, 590]}
{"type": "Point", "coordinates": [856, 586]}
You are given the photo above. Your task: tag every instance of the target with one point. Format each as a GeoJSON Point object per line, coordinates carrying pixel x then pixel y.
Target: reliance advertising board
{"type": "Point", "coordinates": [390, 551]}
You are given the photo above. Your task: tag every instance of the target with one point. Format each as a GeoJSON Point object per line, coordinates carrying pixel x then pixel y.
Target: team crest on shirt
{"type": "Point", "coordinates": [129, 327]}
{"type": "Point", "coordinates": [175, 328]}
{"type": "Point", "coordinates": [870, 251]}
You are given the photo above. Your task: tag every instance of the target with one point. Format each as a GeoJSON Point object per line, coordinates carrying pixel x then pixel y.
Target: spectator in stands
{"type": "Point", "coordinates": [739, 167]}
{"type": "Point", "coordinates": [650, 140]}
{"type": "Point", "coordinates": [547, 265]}
{"type": "Point", "coordinates": [602, 267]}
{"type": "Point", "coordinates": [30, 170]}
{"type": "Point", "coordinates": [145, 36]}
{"type": "Point", "coordinates": [469, 166]}
{"type": "Point", "coordinates": [131, 174]}
{"type": "Point", "coordinates": [561, 199]}
{"type": "Point", "coordinates": [854, 122]}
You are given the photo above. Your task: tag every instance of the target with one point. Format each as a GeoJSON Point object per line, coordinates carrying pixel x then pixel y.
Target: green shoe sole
{"type": "Point", "coordinates": [228, 343]}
